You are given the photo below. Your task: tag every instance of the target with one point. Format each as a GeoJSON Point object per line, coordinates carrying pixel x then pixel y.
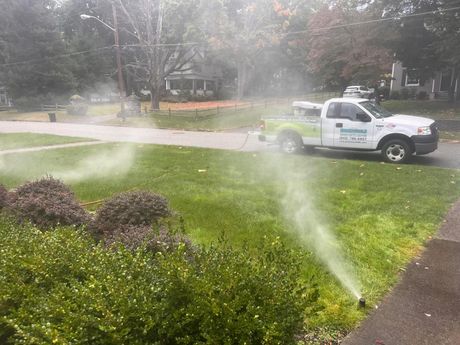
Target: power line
{"type": "Point", "coordinates": [373, 21]}
{"type": "Point", "coordinates": [54, 57]}
{"type": "Point", "coordinates": [163, 44]}
{"type": "Point", "coordinates": [32, 61]}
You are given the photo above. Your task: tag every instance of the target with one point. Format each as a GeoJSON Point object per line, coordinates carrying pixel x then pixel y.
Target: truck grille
{"type": "Point", "coordinates": [434, 130]}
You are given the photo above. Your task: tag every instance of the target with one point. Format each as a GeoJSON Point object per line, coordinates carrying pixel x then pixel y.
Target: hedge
{"type": "Point", "coordinates": [61, 287]}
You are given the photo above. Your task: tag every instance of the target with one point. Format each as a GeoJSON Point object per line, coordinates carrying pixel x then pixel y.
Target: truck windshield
{"type": "Point", "coordinates": [376, 110]}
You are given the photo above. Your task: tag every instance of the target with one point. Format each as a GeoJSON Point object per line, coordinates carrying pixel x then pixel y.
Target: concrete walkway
{"type": "Point", "coordinates": [424, 308]}
{"type": "Point", "coordinates": [50, 147]}
{"type": "Point", "coordinates": [216, 140]}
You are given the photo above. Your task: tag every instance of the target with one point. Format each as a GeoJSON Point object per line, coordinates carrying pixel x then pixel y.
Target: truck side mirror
{"type": "Point", "coordinates": [363, 117]}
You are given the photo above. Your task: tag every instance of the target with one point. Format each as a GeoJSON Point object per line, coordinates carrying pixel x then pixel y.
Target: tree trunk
{"type": "Point", "coordinates": [155, 92]}
{"type": "Point", "coordinates": [453, 82]}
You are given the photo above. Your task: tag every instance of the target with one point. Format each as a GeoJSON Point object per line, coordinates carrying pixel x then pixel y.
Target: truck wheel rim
{"type": "Point", "coordinates": [395, 152]}
{"type": "Point", "coordinates": [289, 145]}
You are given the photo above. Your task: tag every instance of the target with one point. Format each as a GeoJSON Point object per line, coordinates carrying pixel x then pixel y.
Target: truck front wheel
{"type": "Point", "coordinates": [290, 143]}
{"type": "Point", "coordinates": [396, 151]}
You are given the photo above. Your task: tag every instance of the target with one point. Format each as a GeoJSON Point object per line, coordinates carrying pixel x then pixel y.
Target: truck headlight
{"type": "Point", "coordinates": [424, 130]}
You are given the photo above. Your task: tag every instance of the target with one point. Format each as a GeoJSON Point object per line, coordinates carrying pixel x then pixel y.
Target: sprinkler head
{"type": "Point", "coordinates": [362, 302]}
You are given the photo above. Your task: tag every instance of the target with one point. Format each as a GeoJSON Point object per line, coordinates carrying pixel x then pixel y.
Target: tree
{"type": "Point", "coordinates": [241, 32]}
{"type": "Point", "coordinates": [32, 54]}
{"type": "Point", "coordinates": [97, 66]}
{"type": "Point", "coordinates": [159, 35]}
{"type": "Point", "coordinates": [341, 52]}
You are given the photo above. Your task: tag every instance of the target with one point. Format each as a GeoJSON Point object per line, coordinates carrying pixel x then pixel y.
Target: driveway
{"type": "Point", "coordinates": [447, 156]}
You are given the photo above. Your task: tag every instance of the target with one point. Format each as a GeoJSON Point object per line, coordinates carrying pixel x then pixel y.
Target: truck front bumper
{"type": "Point", "coordinates": [425, 143]}
{"type": "Point", "coordinates": [424, 148]}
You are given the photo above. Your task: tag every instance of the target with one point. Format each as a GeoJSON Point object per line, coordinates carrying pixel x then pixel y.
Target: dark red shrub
{"type": "Point", "coordinates": [46, 203]}
{"type": "Point", "coordinates": [3, 196]}
{"type": "Point", "coordinates": [138, 209]}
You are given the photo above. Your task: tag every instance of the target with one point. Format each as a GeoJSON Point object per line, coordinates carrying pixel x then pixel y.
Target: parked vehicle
{"type": "Point", "coordinates": [351, 123]}
{"type": "Point", "coordinates": [358, 91]}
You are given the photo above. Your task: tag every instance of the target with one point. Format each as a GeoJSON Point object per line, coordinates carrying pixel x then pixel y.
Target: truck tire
{"type": "Point", "coordinates": [396, 151]}
{"type": "Point", "coordinates": [290, 143]}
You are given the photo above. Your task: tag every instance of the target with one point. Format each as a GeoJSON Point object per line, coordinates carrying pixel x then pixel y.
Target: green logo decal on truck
{"type": "Point", "coordinates": [353, 135]}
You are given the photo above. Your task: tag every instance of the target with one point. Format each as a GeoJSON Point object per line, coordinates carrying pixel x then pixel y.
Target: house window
{"type": "Point", "coordinates": [184, 84]}
{"type": "Point", "coordinates": [174, 84]}
{"type": "Point", "coordinates": [199, 84]}
{"type": "Point", "coordinates": [412, 78]}
{"type": "Point", "coordinates": [187, 84]}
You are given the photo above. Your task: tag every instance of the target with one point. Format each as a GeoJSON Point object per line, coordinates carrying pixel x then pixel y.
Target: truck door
{"type": "Point", "coordinates": [328, 124]}
{"type": "Point", "coordinates": [353, 128]}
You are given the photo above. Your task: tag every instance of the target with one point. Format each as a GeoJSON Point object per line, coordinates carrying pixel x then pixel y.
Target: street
{"type": "Point", "coordinates": [447, 156]}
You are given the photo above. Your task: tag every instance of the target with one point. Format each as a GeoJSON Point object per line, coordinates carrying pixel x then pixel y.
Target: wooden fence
{"type": "Point", "coordinates": [53, 107]}
{"type": "Point", "coordinates": [226, 110]}
{"type": "Point", "coordinates": [236, 108]}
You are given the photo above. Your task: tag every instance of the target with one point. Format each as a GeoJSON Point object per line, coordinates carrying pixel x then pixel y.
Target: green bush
{"type": "Point", "coordinates": [395, 95]}
{"type": "Point", "coordinates": [182, 96]}
{"type": "Point", "coordinates": [384, 91]}
{"type": "Point", "coordinates": [77, 106]}
{"type": "Point", "coordinates": [46, 203]}
{"type": "Point", "coordinates": [77, 109]}
{"type": "Point", "coordinates": [405, 93]}
{"type": "Point", "coordinates": [202, 98]}
{"type": "Point", "coordinates": [161, 239]}
{"type": "Point", "coordinates": [422, 96]}
{"type": "Point", "coordinates": [60, 287]}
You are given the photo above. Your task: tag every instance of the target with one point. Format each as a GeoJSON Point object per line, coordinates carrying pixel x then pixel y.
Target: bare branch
{"type": "Point", "coordinates": [178, 63]}
{"type": "Point", "coordinates": [137, 33]}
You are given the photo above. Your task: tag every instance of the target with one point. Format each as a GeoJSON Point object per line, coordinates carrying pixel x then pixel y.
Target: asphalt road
{"type": "Point", "coordinates": [447, 156]}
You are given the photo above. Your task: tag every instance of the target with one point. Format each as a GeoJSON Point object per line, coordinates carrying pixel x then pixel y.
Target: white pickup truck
{"type": "Point", "coordinates": [353, 124]}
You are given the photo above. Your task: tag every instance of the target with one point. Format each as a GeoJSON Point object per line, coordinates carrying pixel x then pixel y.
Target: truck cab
{"type": "Point", "coordinates": [351, 123]}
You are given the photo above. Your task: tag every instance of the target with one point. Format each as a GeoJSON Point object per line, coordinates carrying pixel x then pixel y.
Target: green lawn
{"type": "Point", "coordinates": [382, 214]}
{"type": "Point", "coordinates": [432, 109]}
{"type": "Point", "coordinates": [451, 136]}
{"type": "Point", "coordinates": [10, 141]}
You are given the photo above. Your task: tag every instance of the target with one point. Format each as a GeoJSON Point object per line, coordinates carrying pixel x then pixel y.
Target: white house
{"type": "Point", "coordinates": [198, 76]}
{"type": "Point", "coordinates": [436, 87]}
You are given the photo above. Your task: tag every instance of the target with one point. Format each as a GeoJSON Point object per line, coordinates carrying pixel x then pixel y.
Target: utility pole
{"type": "Point", "coordinates": [121, 82]}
